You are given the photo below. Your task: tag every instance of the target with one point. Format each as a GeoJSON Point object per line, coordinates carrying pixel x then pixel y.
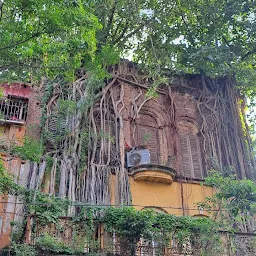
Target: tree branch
{"type": "Point", "coordinates": [110, 20]}
{"type": "Point", "coordinates": [253, 51]}
{"type": "Point", "coordinates": [30, 66]}
{"type": "Point", "coordinates": [1, 10]}
{"type": "Point", "coordinates": [114, 41]}
{"type": "Point", "coordinates": [20, 42]}
{"type": "Point", "coordinates": [131, 33]}
{"type": "Point", "coordinates": [117, 28]}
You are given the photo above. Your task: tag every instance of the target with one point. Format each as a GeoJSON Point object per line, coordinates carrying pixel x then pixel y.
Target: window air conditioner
{"type": "Point", "coordinates": [137, 157]}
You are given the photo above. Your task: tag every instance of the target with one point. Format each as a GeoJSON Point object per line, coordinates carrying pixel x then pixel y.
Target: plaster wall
{"type": "Point", "coordinates": [179, 198]}
{"type": "Point", "coordinates": [8, 203]}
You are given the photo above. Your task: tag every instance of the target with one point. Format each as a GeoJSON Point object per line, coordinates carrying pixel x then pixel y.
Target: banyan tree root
{"type": "Point", "coordinates": [224, 143]}
{"type": "Point", "coordinates": [93, 136]}
{"type": "Point", "coordinates": [106, 154]}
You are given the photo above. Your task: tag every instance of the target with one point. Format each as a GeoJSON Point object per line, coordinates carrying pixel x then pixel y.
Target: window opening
{"type": "Point", "coordinates": [190, 152]}
{"type": "Point", "coordinates": [1, 224]}
{"type": "Point", "coordinates": [147, 135]}
{"type": "Point", "coordinates": [13, 109]}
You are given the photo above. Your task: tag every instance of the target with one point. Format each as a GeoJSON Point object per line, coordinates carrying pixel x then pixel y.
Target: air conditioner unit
{"type": "Point", "coordinates": [137, 157]}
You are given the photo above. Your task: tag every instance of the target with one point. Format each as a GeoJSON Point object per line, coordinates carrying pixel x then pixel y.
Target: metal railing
{"type": "Point", "coordinates": [13, 110]}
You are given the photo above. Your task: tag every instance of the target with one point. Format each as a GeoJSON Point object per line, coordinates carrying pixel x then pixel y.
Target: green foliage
{"type": "Point", "coordinates": [30, 150]}
{"type": "Point", "coordinates": [146, 137]}
{"type": "Point", "coordinates": [8, 186]}
{"type": "Point", "coordinates": [50, 243]}
{"type": "Point", "coordinates": [86, 221]}
{"type": "Point", "coordinates": [130, 225]}
{"type": "Point", "coordinates": [106, 56]}
{"type": "Point", "coordinates": [17, 233]}
{"type": "Point", "coordinates": [126, 222]}
{"type": "Point", "coordinates": [216, 37]}
{"type": "Point", "coordinates": [1, 93]}
{"type": "Point", "coordinates": [66, 107]}
{"type": "Point", "coordinates": [46, 207]}
{"type": "Point", "coordinates": [239, 196]}
{"type": "Point", "coordinates": [23, 250]}
{"type": "Point", "coordinates": [45, 38]}
{"type": "Point", "coordinates": [2, 168]}
{"type": "Point", "coordinates": [151, 92]}
{"type": "Point", "coordinates": [192, 36]}
{"type": "Point", "coordinates": [55, 39]}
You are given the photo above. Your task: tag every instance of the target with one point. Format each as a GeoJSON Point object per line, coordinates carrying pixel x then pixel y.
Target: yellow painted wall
{"type": "Point", "coordinates": [169, 197]}
{"type": "Point", "coordinates": [194, 193]}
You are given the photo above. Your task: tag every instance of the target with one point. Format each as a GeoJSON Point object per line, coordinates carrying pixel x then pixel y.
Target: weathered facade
{"type": "Point", "coordinates": [194, 124]}
{"type": "Point", "coordinates": [20, 115]}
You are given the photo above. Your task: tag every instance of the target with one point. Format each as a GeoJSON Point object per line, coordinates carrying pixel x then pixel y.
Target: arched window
{"type": "Point", "coordinates": [147, 135]}
{"type": "Point", "coordinates": [190, 151]}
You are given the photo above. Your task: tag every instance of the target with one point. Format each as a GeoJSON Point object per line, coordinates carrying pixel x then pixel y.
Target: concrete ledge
{"type": "Point", "coordinates": [153, 173]}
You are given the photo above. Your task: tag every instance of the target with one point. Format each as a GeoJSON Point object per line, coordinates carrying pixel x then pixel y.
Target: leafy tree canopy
{"type": "Point", "coordinates": [240, 195]}
{"type": "Point", "coordinates": [213, 37]}
{"type": "Point", "coordinates": [39, 37]}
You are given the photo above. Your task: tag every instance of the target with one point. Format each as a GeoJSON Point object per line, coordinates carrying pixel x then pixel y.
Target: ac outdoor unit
{"type": "Point", "coordinates": [137, 157]}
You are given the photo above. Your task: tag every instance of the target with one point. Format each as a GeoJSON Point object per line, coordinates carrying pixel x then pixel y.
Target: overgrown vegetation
{"type": "Point", "coordinates": [232, 207]}
{"type": "Point", "coordinates": [49, 37]}
{"type": "Point", "coordinates": [131, 225]}
{"type": "Point", "coordinates": [52, 244]}
{"type": "Point", "coordinates": [234, 202]}
{"type": "Point", "coordinates": [23, 250]}
{"type": "Point", "coordinates": [30, 149]}
{"type": "Point", "coordinates": [66, 47]}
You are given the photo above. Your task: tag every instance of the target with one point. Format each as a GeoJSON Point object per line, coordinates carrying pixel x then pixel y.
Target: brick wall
{"type": "Point", "coordinates": [34, 114]}
{"type": "Point", "coordinates": [32, 93]}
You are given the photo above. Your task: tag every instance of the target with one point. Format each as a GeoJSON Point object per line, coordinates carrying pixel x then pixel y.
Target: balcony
{"type": "Point", "coordinates": [153, 173]}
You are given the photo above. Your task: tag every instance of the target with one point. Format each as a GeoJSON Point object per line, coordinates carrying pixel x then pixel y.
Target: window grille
{"type": "Point", "coordinates": [13, 109]}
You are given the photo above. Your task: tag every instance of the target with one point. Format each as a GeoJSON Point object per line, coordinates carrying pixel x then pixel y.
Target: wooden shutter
{"type": "Point", "coordinates": [196, 156]}
{"type": "Point", "coordinates": [152, 141]}
{"type": "Point", "coordinates": [186, 155]}
{"type": "Point", "coordinates": [191, 158]}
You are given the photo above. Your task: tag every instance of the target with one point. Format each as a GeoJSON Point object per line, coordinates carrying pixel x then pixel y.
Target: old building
{"type": "Point", "coordinates": [152, 151]}
{"type": "Point", "coordinates": [19, 115]}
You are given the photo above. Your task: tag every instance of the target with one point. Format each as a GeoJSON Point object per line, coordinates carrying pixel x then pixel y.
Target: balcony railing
{"type": "Point", "coordinates": [13, 110]}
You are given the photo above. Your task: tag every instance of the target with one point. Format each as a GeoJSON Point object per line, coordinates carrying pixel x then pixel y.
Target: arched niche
{"type": "Point", "coordinates": [157, 111]}
{"type": "Point", "coordinates": [156, 209]}
{"type": "Point", "coordinates": [189, 147]}
{"type": "Point", "coordinates": [200, 215]}
{"type": "Point", "coordinates": [147, 135]}
{"type": "Point", "coordinates": [150, 130]}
